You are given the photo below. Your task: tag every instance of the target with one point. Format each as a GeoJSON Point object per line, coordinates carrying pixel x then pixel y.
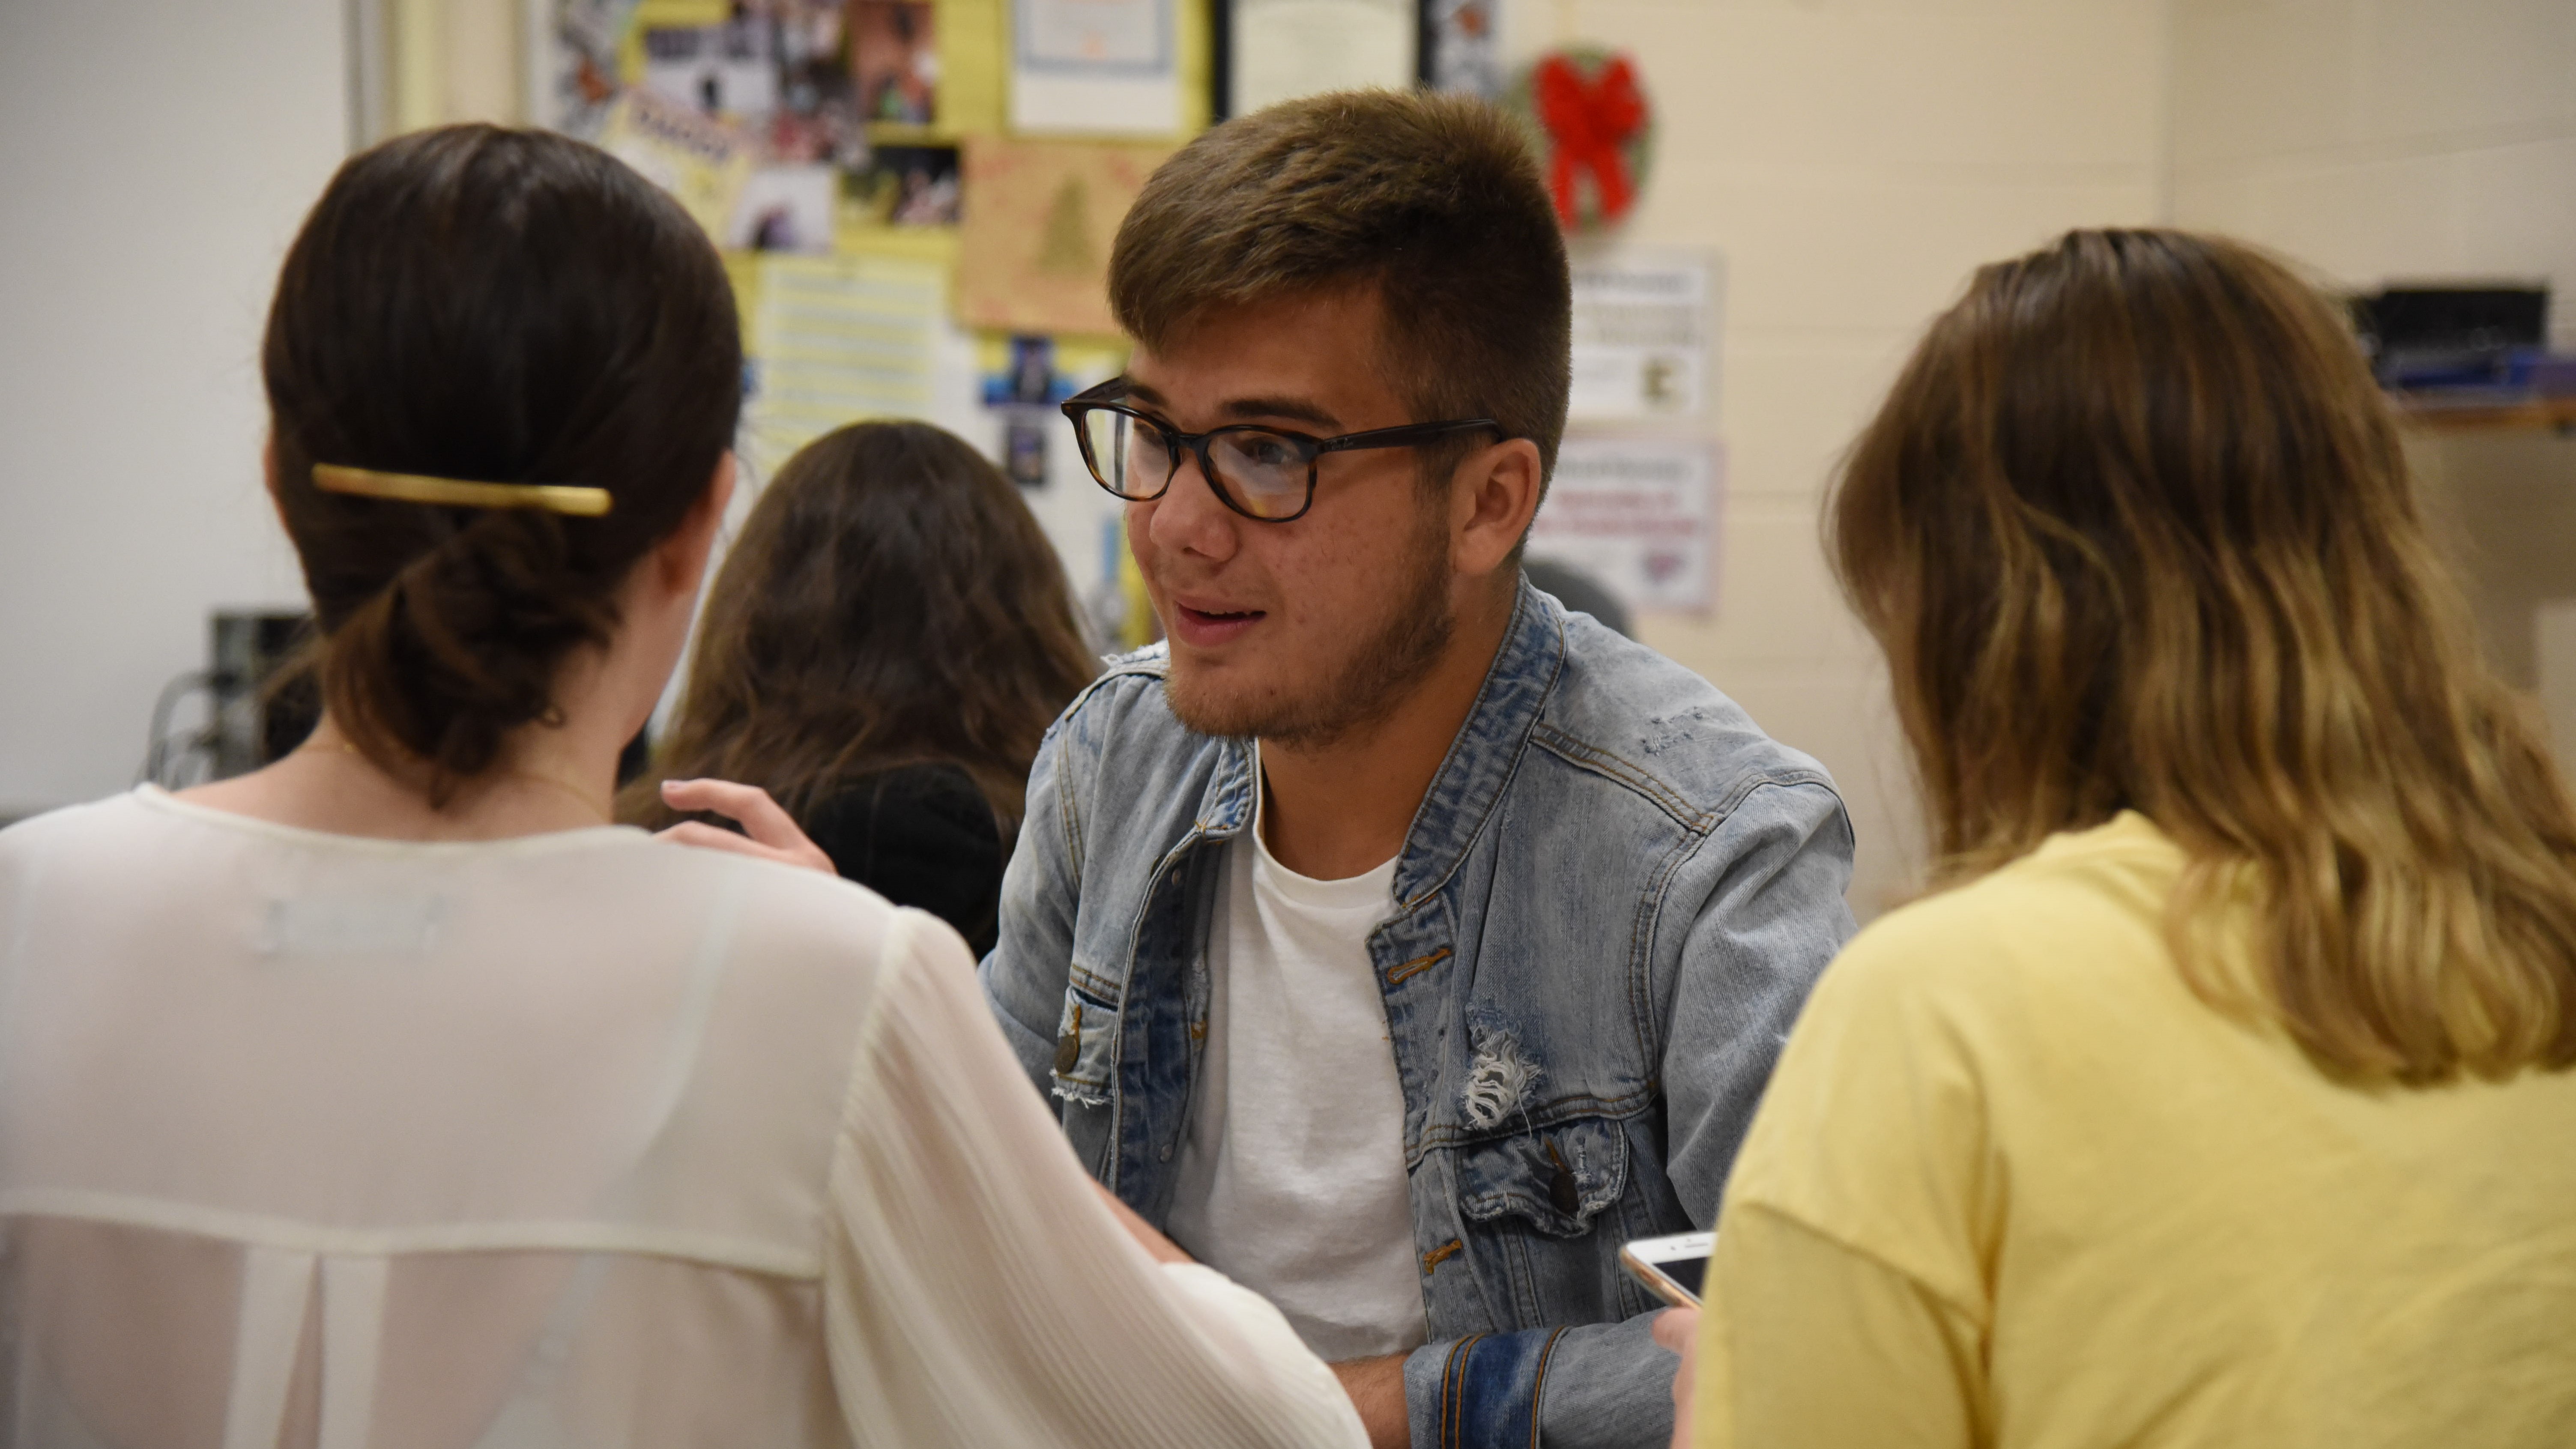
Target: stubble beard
{"type": "Point", "coordinates": [1371, 682]}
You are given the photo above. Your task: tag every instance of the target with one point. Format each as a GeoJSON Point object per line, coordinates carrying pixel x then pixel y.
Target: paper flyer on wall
{"type": "Point", "coordinates": [1033, 250]}
{"type": "Point", "coordinates": [583, 58]}
{"type": "Point", "coordinates": [660, 81]}
{"type": "Point", "coordinates": [1095, 67]}
{"type": "Point", "coordinates": [729, 69]}
{"type": "Point", "coordinates": [894, 60]}
{"type": "Point", "coordinates": [1284, 49]}
{"type": "Point", "coordinates": [701, 161]}
{"type": "Point", "coordinates": [838, 339]}
{"type": "Point", "coordinates": [786, 209]}
{"type": "Point", "coordinates": [1466, 41]}
{"type": "Point", "coordinates": [1639, 514]}
{"type": "Point", "coordinates": [1643, 321]}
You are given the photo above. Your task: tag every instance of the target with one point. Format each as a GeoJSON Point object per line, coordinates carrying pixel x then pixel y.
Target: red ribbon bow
{"type": "Point", "coordinates": [1590, 120]}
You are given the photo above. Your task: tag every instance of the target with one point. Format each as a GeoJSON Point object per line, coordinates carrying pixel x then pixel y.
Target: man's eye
{"type": "Point", "coordinates": [1264, 451]}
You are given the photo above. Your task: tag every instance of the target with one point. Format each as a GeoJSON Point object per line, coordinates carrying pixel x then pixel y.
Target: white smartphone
{"type": "Point", "coordinates": [1670, 1268]}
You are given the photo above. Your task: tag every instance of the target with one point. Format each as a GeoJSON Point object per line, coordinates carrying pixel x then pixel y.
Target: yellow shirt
{"type": "Point", "coordinates": [2013, 1184]}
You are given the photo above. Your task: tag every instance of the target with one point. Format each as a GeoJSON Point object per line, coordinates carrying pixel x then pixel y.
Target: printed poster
{"type": "Point", "coordinates": [727, 70]}
{"type": "Point", "coordinates": [1095, 67]}
{"type": "Point", "coordinates": [1466, 39]}
{"type": "Point", "coordinates": [1642, 326]}
{"type": "Point", "coordinates": [785, 209]}
{"type": "Point", "coordinates": [1639, 514]}
{"type": "Point", "coordinates": [1033, 250]}
{"type": "Point", "coordinates": [1284, 49]}
{"type": "Point", "coordinates": [894, 50]}
{"type": "Point", "coordinates": [837, 339]}
{"type": "Point", "coordinates": [698, 159]}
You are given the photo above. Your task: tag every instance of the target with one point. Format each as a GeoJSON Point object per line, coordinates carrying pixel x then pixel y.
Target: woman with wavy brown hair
{"type": "Point", "coordinates": [883, 649]}
{"type": "Point", "coordinates": [2219, 1096]}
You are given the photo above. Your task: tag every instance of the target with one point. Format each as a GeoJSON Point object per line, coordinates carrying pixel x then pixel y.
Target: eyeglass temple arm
{"type": "Point", "coordinates": [1406, 433]}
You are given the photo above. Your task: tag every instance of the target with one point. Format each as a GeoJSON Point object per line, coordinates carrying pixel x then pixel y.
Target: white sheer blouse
{"type": "Point", "coordinates": [579, 1139]}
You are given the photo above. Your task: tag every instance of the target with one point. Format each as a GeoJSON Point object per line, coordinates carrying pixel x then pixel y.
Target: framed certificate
{"type": "Point", "coordinates": [1268, 51]}
{"type": "Point", "coordinates": [1099, 67]}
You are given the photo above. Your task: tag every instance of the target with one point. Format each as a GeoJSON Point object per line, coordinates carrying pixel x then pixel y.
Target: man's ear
{"type": "Point", "coordinates": [1497, 493]}
{"type": "Point", "coordinates": [682, 558]}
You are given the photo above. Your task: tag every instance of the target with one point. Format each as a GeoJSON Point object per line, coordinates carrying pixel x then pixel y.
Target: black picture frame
{"type": "Point", "coordinates": [1221, 54]}
{"type": "Point", "coordinates": [1220, 61]}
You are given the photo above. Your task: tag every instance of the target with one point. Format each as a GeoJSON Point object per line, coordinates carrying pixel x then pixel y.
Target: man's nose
{"type": "Point", "coordinates": [1189, 517]}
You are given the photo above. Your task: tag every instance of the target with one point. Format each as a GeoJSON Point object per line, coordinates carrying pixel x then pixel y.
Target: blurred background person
{"type": "Point", "coordinates": [1580, 592]}
{"type": "Point", "coordinates": [388, 1095]}
{"type": "Point", "coordinates": [2220, 1096]}
{"type": "Point", "coordinates": [882, 651]}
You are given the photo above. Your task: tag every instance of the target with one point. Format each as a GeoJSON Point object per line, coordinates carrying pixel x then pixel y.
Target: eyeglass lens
{"type": "Point", "coordinates": [1265, 473]}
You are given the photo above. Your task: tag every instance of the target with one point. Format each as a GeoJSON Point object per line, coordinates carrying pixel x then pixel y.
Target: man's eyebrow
{"type": "Point", "coordinates": [1246, 408]}
{"type": "Point", "coordinates": [1296, 409]}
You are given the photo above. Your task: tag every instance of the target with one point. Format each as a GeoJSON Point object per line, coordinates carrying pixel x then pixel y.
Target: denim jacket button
{"type": "Point", "coordinates": [1068, 1052]}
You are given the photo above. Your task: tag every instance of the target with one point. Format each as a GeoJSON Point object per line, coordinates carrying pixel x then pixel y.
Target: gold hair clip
{"type": "Point", "coordinates": [455, 493]}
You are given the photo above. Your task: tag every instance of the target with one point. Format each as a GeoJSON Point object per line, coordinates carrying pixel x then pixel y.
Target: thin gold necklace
{"type": "Point", "coordinates": [607, 815]}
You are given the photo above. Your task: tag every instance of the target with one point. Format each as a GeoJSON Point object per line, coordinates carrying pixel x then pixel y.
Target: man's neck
{"type": "Point", "coordinates": [1342, 809]}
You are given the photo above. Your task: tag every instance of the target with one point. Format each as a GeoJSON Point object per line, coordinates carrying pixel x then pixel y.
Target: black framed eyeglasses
{"type": "Point", "coordinates": [1266, 474]}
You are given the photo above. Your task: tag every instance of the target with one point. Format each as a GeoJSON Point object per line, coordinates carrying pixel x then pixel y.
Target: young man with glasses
{"type": "Point", "coordinates": [1397, 942]}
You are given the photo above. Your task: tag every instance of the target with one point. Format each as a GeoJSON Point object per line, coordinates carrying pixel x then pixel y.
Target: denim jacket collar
{"type": "Point", "coordinates": [1486, 752]}
{"type": "Point", "coordinates": [1471, 778]}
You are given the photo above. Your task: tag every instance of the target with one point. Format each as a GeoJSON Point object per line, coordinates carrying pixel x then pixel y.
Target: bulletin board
{"type": "Point", "coordinates": [832, 149]}
{"type": "Point", "coordinates": [916, 199]}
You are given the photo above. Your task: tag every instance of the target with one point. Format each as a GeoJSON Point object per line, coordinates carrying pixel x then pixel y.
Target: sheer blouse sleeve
{"type": "Point", "coordinates": [978, 1292]}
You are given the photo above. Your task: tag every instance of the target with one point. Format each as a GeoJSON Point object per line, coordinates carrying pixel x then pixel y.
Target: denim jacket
{"type": "Point", "coordinates": [1609, 908]}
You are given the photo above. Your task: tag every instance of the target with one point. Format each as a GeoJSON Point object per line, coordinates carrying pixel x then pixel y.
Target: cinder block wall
{"type": "Point", "coordinates": [1855, 162]}
{"type": "Point", "coordinates": [2393, 140]}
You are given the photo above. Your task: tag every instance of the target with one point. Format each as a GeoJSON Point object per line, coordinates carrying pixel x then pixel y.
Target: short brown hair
{"type": "Point", "coordinates": [2136, 532]}
{"type": "Point", "coordinates": [1434, 199]}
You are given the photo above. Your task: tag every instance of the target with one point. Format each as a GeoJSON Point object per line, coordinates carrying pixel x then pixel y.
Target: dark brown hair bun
{"type": "Point", "coordinates": [497, 306]}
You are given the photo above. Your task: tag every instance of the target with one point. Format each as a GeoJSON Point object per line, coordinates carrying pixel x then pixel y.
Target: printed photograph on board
{"type": "Point", "coordinates": [911, 185]}
{"type": "Point", "coordinates": [895, 60]}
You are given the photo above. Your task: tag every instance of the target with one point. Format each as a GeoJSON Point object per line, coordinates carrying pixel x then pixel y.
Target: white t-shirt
{"type": "Point", "coordinates": [1291, 1180]}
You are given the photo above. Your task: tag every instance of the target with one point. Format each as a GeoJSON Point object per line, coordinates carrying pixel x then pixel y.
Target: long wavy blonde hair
{"type": "Point", "coordinates": [2135, 531]}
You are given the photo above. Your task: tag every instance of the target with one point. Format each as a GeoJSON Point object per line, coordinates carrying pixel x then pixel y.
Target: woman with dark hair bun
{"type": "Point", "coordinates": [392, 1095]}
{"type": "Point", "coordinates": [883, 649]}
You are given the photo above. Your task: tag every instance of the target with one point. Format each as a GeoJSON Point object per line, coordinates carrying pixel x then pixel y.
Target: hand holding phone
{"type": "Point", "coordinates": [1671, 1267]}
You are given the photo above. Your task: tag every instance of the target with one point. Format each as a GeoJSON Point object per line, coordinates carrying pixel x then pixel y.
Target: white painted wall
{"type": "Point", "coordinates": [155, 159]}
{"type": "Point", "coordinates": [1855, 160]}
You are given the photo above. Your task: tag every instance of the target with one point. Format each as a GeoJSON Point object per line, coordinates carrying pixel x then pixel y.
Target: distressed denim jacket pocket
{"type": "Point", "coordinates": [1557, 1180]}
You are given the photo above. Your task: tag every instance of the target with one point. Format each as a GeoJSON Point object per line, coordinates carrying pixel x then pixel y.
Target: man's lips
{"type": "Point", "coordinates": [1206, 625]}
